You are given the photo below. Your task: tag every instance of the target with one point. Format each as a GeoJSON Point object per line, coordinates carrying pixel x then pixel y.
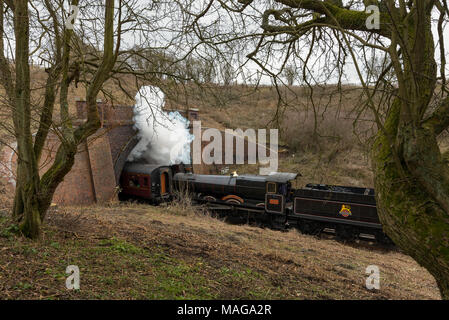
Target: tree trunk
{"type": "Point", "coordinates": [31, 223]}
{"type": "Point", "coordinates": [31, 203]}
{"type": "Point", "coordinates": [411, 216]}
{"type": "Point", "coordinates": [18, 207]}
{"type": "Point", "coordinates": [34, 193]}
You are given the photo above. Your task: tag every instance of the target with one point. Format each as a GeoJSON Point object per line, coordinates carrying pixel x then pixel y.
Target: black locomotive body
{"type": "Point", "coordinates": [247, 190]}
{"type": "Point", "coordinates": [354, 206]}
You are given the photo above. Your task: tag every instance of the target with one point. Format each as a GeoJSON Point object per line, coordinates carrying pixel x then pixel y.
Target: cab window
{"type": "Point", "coordinates": [271, 187]}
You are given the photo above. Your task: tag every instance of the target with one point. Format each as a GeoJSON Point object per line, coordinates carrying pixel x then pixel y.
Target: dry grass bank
{"type": "Point", "coordinates": [135, 251]}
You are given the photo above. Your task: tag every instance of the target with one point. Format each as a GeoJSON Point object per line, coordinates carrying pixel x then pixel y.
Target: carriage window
{"type": "Point", "coordinates": [134, 182]}
{"type": "Point", "coordinates": [145, 182]}
{"type": "Point", "coordinates": [271, 187]}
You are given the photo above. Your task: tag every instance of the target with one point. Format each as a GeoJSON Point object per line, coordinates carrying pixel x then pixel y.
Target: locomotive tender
{"type": "Point", "coordinates": [349, 211]}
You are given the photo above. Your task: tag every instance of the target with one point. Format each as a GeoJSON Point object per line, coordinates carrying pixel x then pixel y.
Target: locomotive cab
{"type": "Point", "coordinates": [278, 195]}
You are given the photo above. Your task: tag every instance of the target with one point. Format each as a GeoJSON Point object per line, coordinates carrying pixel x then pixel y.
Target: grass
{"type": "Point", "coordinates": [135, 251]}
{"type": "Point", "coordinates": [109, 268]}
{"type": "Point", "coordinates": [116, 268]}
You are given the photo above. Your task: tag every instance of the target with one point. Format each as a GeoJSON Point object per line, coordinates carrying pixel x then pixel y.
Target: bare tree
{"type": "Point", "coordinates": [290, 73]}
{"type": "Point", "coordinates": [33, 192]}
{"type": "Point", "coordinates": [227, 73]}
{"type": "Point", "coordinates": [405, 89]}
{"type": "Point", "coordinates": [88, 52]}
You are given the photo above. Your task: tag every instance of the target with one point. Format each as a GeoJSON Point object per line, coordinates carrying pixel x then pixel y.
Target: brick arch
{"type": "Point", "coordinates": [122, 156]}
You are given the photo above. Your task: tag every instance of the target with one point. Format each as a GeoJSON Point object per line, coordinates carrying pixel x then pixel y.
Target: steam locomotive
{"type": "Point", "coordinates": [350, 212]}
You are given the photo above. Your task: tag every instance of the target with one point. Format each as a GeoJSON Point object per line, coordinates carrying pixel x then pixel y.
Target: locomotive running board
{"type": "Point", "coordinates": [240, 208]}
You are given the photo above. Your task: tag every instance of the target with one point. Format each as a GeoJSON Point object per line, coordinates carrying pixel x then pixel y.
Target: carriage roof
{"type": "Point", "coordinates": [141, 168]}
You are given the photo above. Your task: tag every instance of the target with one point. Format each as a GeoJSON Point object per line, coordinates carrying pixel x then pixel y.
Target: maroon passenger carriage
{"type": "Point", "coordinates": [150, 182]}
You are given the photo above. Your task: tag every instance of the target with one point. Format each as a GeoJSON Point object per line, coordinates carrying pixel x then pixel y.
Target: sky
{"type": "Point", "coordinates": [218, 18]}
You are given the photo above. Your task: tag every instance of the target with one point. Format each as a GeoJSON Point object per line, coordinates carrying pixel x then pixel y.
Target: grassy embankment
{"type": "Point", "coordinates": [134, 251]}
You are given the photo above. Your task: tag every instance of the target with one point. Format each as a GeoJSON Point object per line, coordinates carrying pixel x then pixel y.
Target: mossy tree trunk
{"type": "Point", "coordinates": [411, 174]}
{"type": "Point", "coordinates": [411, 213]}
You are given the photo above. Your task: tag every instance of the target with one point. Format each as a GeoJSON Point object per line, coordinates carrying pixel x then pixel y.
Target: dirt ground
{"type": "Point", "coordinates": [135, 251]}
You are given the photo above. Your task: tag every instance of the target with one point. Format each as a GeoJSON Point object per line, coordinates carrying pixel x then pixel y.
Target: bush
{"type": "Point", "coordinates": [331, 135]}
{"type": "Point", "coordinates": [184, 205]}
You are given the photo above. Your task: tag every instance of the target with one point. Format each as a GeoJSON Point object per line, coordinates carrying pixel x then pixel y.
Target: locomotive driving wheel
{"type": "Point", "coordinates": [209, 199]}
{"type": "Point", "coordinates": [309, 227]}
{"type": "Point", "coordinates": [233, 201]}
{"type": "Point", "coordinates": [345, 233]}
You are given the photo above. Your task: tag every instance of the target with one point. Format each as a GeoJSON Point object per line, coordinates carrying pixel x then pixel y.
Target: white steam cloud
{"type": "Point", "coordinates": [164, 138]}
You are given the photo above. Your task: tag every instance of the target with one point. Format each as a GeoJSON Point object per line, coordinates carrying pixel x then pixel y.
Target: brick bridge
{"type": "Point", "coordinates": [95, 175]}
